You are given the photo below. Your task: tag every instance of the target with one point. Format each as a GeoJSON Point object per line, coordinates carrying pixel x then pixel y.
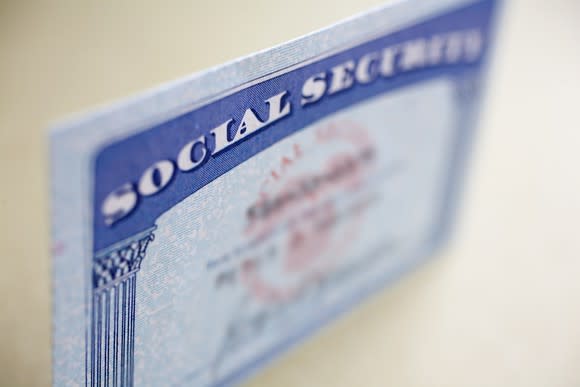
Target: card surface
{"type": "Point", "coordinates": [204, 227]}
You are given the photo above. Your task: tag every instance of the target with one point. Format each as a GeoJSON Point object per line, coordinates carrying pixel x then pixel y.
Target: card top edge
{"type": "Point", "coordinates": [201, 87]}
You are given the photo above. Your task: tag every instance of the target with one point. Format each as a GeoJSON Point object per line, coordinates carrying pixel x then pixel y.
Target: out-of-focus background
{"type": "Point", "coordinates": [501, 304]}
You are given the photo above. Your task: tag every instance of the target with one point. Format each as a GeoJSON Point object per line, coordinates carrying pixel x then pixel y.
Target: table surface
{"type": "Point", "coordinates": [499, 307]}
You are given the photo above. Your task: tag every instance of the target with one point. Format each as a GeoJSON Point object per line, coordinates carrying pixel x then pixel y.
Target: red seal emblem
{"type": "Point", "coordinates": [298, 215]}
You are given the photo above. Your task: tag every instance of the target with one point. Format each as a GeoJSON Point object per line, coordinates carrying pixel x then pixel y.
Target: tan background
{"type": "Point", "coordinates": [501, 307]}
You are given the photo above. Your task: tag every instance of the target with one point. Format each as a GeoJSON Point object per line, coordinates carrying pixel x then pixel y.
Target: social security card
{"type": "Point", "coordinates": [202, 228]}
